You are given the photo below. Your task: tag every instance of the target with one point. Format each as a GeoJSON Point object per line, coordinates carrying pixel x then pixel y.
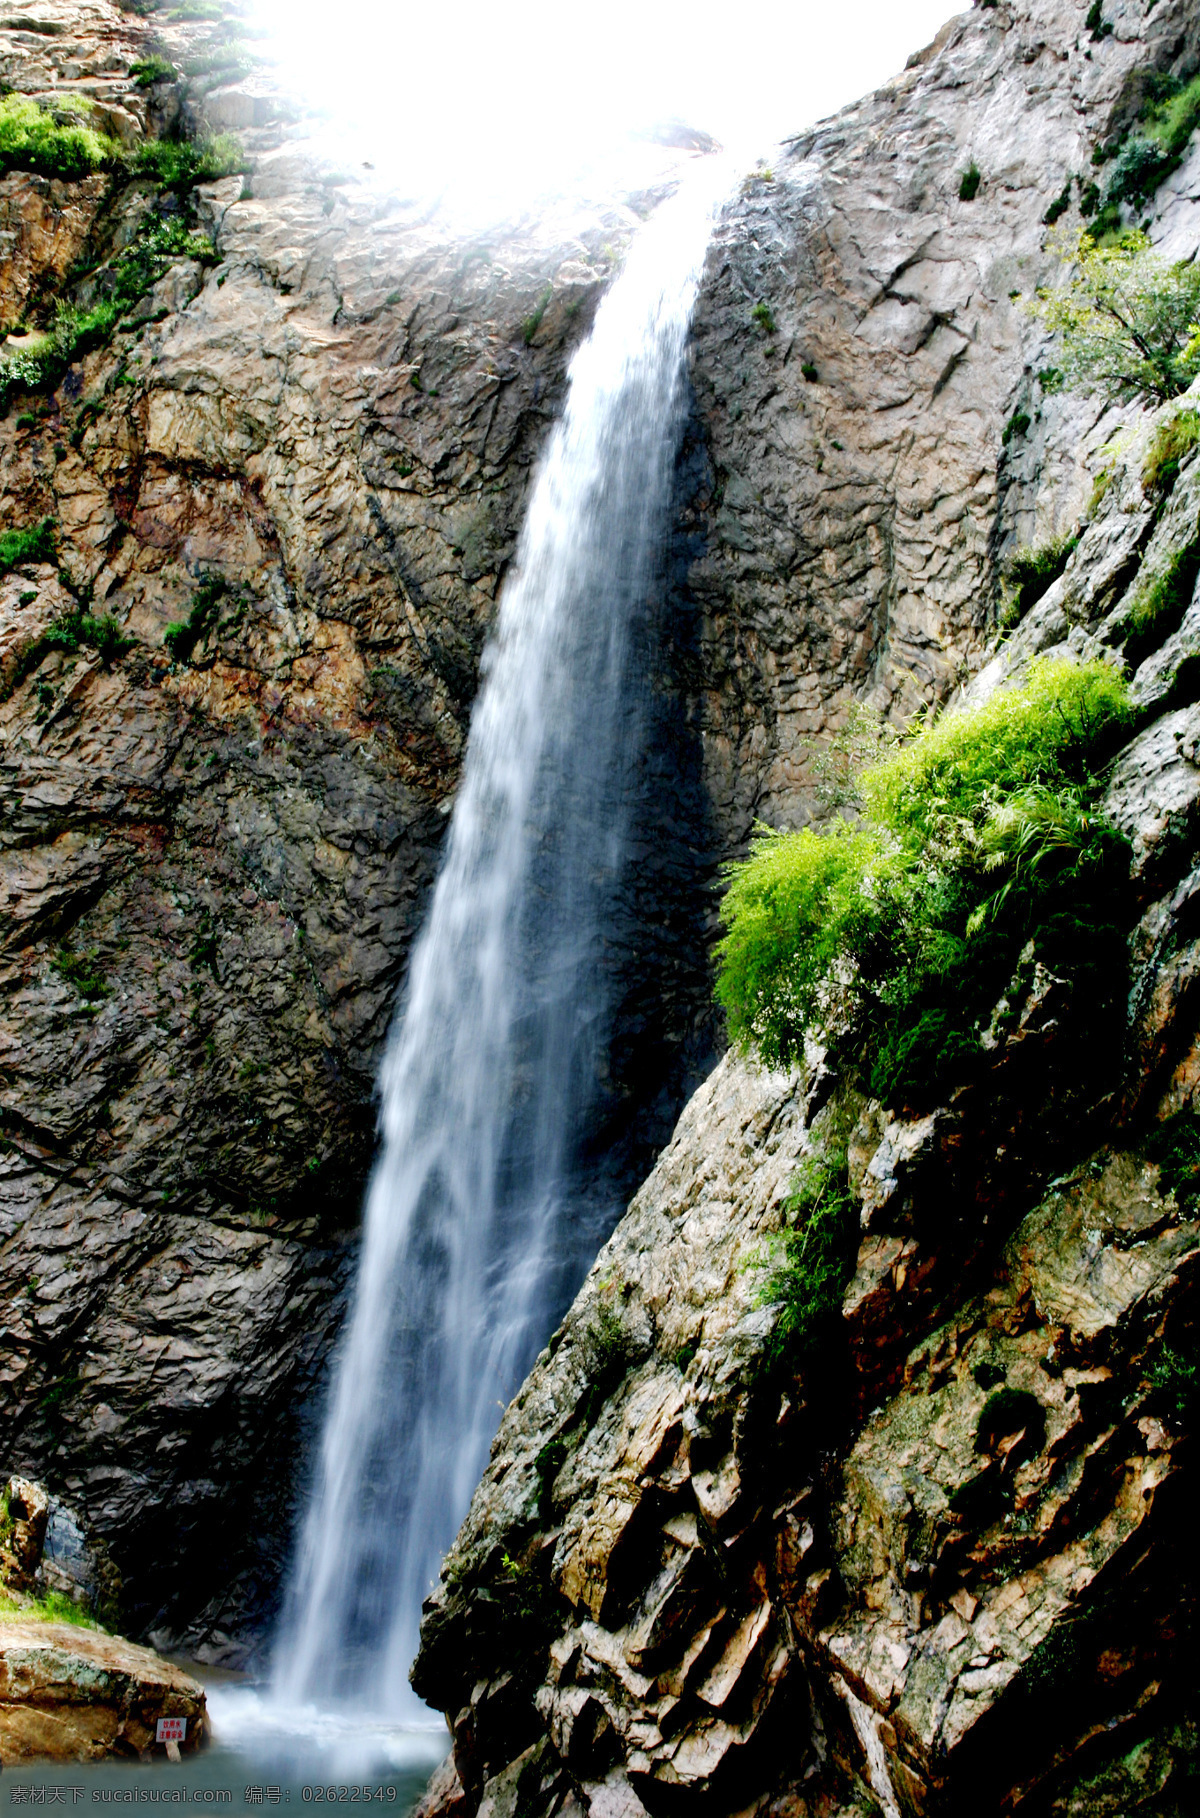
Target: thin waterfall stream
{"type": "Point", "coordinates": [484, 1211]}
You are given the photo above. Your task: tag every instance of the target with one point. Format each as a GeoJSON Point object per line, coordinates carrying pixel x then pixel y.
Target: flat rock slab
{"type": "Point", "coordinates": [74, 1694]}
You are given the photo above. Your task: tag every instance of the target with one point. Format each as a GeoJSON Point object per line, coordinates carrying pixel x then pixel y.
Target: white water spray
{"type": "Point", "coordinates": [481, 1216]}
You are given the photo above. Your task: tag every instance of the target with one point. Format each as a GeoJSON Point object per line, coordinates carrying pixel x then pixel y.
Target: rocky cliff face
{"type": "Point", "coordinates": [680, 1579]}
{"type": "Point", "coordinates": [859, 350]}
{"type": "Point", "coordinates": [309, 449]}
{"type": "Point", "coordinates": [946, 1565]}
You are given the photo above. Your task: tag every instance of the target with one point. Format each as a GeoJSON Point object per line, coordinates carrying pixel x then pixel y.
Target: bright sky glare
{"type": "Point", "coordinates": [509, 102]}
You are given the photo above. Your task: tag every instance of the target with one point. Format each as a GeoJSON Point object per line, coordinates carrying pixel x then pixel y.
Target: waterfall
{"type": "Point", "coordinates": [484, 1211]}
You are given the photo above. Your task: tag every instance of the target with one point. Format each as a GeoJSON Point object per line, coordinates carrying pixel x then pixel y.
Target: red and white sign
{"type": "Point", "coordinates": [171, 1729]}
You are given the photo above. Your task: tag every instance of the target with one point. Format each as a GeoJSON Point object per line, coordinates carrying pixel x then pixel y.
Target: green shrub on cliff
{"type": "Point", "coordinates": [1161, 597]}
{"type": "Point", "coordinates": [1169, 447]}
{"type": "Point", "coordinates": [73, 332]}
{"type": "Point", "coordinates": [1127, 319]}
{"type": "Point", "coordinates": [149, 70]}
{"type": "Point", "coordinates": [41, 363]}
{"type": "Point", "coordinates": [37, 543]}
{"type": "Point", "coordinates": [978, 847]}
{"type": "Point", "coordinates": [81, 971]}
{"type": "Point", "coordinates": [56, 143]}
{"type": "Point", "coordinates": [179, 164]}
{"type": "Point", "coordinates": [1031, 572]}
{"type": "Point", "coordinates": [1156, 145]}
{"type": "Point", "coordinates": [814, 1259]}
{"type": "Point", "coordinates": [182, 636]}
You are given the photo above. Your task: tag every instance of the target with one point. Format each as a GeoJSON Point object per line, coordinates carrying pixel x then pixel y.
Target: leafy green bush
{"type": "Point", "coordinates": [73, 333]}
{"type": "Point", "coordinates": [1059, 206]}
{"type": "Point", "coordinates": [52, 143]}
{"type": "Point", "coordinates": [1017, 424]}
{"type": "Point", "coordinates": [149, 70]}
{"type": "Point", "coordinates": [1175, 1379]}
{"type": "Point", "coordinates": [1175, 1146]}
{"type": "Point", "coordinates": [1053, 730]}
{"type": "Point", "coordinates": [160, 245]}
{"type": "Point", "coordinates": [1156, 147]}
{"type": "Point", "coordinates": [179, 164]}
{"type": "Point", "coordinates": [75, 629]}
{"type": "Point", "coordinates": [969, 181]}
{"type": "Point", "coordinates": [894, 938]}
{"type": "Point", "coordinates": [814, 1259]}
{"type": "Point", "coordinates": [18, 548]}
{"type": "Point", "coordinates": [1031, 572]}
{"type": "Point", "coordinates": [1169, 444]}
{"type": "Point", "coordinates": [1127, 319]}
{"type": "Point", "coordinates": [761, 313]}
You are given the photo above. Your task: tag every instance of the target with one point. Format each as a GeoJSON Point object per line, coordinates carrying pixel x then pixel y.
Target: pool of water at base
{"type": "Point", "coordinates": [263, 1758]}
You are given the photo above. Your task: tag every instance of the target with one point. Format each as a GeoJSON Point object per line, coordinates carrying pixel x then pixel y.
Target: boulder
{"type": "Point", "coordinates": [75, 1694]}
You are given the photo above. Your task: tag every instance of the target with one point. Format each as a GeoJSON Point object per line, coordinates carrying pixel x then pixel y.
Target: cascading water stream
{"type": "Point", "coordinates": [482, 1213]}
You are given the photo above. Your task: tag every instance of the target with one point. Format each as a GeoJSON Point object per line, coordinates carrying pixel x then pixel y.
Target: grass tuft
{"type": "Point", "coordinates": [531, 324]}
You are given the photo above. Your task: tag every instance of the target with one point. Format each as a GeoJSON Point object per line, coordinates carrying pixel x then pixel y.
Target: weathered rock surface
{"type": "Point", "coordinates": [861, 494]}
{"type": "Point", "coordinates": [947, 1564]}
{"type": "Point", "coordinates": [74, 1694]}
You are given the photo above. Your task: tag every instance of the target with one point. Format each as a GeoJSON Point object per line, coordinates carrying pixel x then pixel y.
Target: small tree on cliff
{"type": "Point", "coordinates": [1128, 319]}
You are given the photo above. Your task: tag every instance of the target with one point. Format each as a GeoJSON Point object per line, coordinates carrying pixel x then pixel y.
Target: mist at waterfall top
{"type": "Point", "coordinates": [492, 110]}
